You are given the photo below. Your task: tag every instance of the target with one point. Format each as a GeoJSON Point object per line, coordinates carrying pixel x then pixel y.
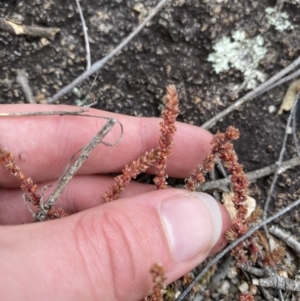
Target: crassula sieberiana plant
{"type": "Point", "coordinates": [245, 253]}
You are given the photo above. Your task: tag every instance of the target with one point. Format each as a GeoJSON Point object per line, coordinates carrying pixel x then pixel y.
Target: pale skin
{"type": "Point", "coordinates": [102, 251]}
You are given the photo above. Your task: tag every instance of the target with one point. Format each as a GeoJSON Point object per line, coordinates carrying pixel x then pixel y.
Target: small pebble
{"type": "Point", "coordinates": [244, 287]}
{"type": "Point", "coordinates": [232, 272]}
{"type": "Point", "coordinates": [273, 244]}
{"type": "Point", "coordinates": [271, 109]}
{"type": "Point", "coordinates": [283, 274]}
{"type": "Point", "coordinates": [253, 289]}
{"type": "Point", "coordinates": [224, 288]}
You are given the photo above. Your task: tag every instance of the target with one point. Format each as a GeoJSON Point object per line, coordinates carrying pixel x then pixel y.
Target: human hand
{"type": "Point", "coordinates": [101, 252]}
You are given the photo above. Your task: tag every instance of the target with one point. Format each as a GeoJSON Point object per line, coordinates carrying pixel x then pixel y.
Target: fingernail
{"type": "Point", "coordinates": [193, 224]}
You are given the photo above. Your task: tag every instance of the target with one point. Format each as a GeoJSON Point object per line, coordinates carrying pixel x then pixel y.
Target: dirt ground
{"type": "Point", "coordinates": [173, 48]}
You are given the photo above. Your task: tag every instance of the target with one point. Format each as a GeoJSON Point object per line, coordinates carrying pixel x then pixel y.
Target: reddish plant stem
{"type": "Point", "coordinates": [167, 131]}
{"type": "Point", "coordinates": [156, 157]}
{"type": "Point", "coordinates": [222, 148]}
{"type": "Point", "coordinates": [130, 172]}
{"type": "Point", "coordinates": [8, 161]}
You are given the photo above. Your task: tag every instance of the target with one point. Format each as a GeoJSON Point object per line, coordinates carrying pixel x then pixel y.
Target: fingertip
{"type": "Point", "coordinates": [196, 225]}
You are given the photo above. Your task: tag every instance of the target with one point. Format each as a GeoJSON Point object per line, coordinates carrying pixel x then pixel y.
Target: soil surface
{"type": "Point", "coordinates": [172, 48]}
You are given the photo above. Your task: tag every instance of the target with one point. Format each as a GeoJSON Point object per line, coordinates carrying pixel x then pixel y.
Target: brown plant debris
{"type": "Point", "coordinates": [229, 205]}
{"type": "Point", "coordinates": [158, 279]}
{"type": "Point", "coordinates": [271, 255]}
{"type": "Point", "coordinates": [32, 31]}
{"type": "Point", "coordinates": [222, 184]}
{"type": "Point", "coordinates": [289, 97]}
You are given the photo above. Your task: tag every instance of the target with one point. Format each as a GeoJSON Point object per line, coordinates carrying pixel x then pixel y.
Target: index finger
{"type": "Point", "coordinates": [43, 145]}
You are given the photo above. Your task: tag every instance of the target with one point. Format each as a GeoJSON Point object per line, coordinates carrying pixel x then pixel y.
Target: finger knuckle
{"type": "Point", "coordinates": [114, 251]}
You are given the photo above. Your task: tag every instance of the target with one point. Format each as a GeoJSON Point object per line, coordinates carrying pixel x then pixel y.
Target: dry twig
{"type": "Point", "coordinates": [71, 171]}
{"type": "Point", "coordinates": [287, 238]}
{"type": "Point", "coordinates": [46, 113]}
{"type": "Point", "coordinates": [31, 31]}
{"type": "Point", "coordinates": [275, 281]}
{"type": "Point", "coordinates": [285, 79]}
{"type": "Point", "coordinates": [271, 279]}
{"type": "Point", "coordinates": [86, 37]}
{"type": "Point", "coordinates": [295, 135]}
{"type": "Point", "coordinates": [99, 64]}
{"type": "Point", "coordinates": [251, 176]}
{"type": "Point", "coordinates": [46, 210]}
{"type": "Point", "coordinates": [279, 162]}
{"type": "Point", "coordinates": [267, 85]}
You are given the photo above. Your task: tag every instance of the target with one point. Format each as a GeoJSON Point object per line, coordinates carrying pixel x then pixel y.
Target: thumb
{"type": "Point", "coordinates": [105, 253]}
